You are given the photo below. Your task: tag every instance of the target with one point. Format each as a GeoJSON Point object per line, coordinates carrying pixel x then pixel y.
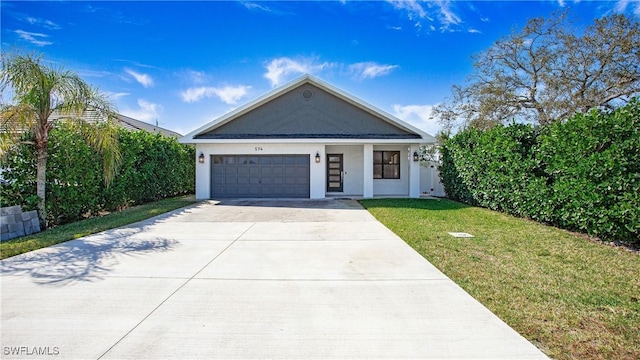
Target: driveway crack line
{"type": "Point", "coordinates": [174, 292]}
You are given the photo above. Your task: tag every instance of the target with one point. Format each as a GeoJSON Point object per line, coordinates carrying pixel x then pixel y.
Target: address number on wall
{"type": "Point", "coordinates": [259, 148]}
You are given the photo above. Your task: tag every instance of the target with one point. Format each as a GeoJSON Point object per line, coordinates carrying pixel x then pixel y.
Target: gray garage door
{"type": "Point", "coordinates": [259, 176]}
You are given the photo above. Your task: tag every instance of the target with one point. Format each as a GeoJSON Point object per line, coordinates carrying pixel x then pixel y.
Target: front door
{"type": "Point", "coordinates": [335, 173]}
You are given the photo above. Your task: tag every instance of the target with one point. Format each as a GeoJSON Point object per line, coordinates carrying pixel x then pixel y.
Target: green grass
{"type": "Point", "coordinates": [572, 297]}
{"type": "Point", "coordinates": [89, 226]}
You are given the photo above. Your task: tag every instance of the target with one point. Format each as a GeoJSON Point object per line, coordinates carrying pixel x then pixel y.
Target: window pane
{"type": "Point", "coordinates": [386, 157]}
{"type": "Point", "coordinates": [391, 171]}
{"type": "Point", "coordinates": [386, 165]}
{"type": "Point", "coordinates": [377, 171]}
{"type": "Point", "coordinates": [395, 157]}
{"type": "Point", "coordinates": [377, 157]}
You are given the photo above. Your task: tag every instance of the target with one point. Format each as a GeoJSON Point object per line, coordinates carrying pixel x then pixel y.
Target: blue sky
{"type": "Point", "coordinates": [183, 64]}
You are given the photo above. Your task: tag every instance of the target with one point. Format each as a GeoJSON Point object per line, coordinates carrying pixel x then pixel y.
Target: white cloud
{"type": "Point", "coordinates": [255, 6]}
{"type": "Point", "coordinates": [195, 94]}
{"type": "Point", "coordinates": [34, 38]}
{"type": "Point", "coordinates": [44, 23]}
{"type": "Point", "coordinates": [228, 94]}
{"type": "Point", "coordinates": [447, 16]}
{"type": "Point", "coordinates": [144, 79]}
{"type": "Point", "coordinates": [93, 73]}
{"type": "Point", "coordinates": [428, 10]}
{"type": "Point", "coordinates": [279, 69]}
{"type": "Point", "coordinates": [197, 77]}
{"type": "Point", "coordinates": [115, 96]}
{"type": "Point", "coordinates": [474, 31]}
{"type": "Point", "coordinates": [418, 116]}
{"type": "Point", "coordinates": [621, 6]}
{"type": "Point", "coordinates": [146, 111]}
{"type": "Point", "coordinates": [413, 8]}
{"type": "Point", "coordinates": [231, 94]}
{"type": "Point", "coordinates": [370, 70]}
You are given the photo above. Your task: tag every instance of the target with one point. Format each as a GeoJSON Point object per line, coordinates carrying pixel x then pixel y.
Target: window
{"type": "Point", "coordinates": [386, 164]}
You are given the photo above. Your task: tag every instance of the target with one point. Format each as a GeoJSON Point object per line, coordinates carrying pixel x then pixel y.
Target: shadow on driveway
{"type": "Point", "coordinates": [83, 260]}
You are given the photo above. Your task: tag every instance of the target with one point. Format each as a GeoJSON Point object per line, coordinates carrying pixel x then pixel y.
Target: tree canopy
{"type": "Point", "coordinates": [546, 72]}
{"type": "Point", "coordinates": [37, 92]}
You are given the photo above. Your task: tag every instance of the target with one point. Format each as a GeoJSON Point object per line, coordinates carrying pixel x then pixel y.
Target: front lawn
{"type": "Point", "coordinates": [572, 297]}
{"type": "Point", "coordinates": [90, 226]}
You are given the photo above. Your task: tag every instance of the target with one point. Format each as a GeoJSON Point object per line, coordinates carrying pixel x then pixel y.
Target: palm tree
{"type": "Point", "coordinates": [37, 92]}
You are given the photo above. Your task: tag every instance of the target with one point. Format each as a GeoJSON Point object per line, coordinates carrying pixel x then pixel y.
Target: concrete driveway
{"type": "Point", "coordinates": [249, 280]}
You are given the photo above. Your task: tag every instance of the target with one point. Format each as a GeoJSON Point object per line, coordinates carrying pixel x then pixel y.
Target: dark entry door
{"type": "Point", "coordinates": [335, 173]}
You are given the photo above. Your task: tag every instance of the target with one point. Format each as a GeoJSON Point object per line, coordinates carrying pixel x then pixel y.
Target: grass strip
{"type": "Point", "coordinates": [572, 297]}
{"type": "Point", "coordinates": [90, 226]}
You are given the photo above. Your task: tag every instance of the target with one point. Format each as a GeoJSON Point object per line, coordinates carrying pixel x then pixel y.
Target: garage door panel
{"type": "Point", "coordinates": [243, 180]}
{"type": "Point", "coordinates": [260, 176]}
{"type": "Point", "coordinates": [243, 191]}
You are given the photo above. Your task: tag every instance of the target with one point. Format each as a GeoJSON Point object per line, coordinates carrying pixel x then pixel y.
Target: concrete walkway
{"type": "Point", "coordinates": [245, 280]}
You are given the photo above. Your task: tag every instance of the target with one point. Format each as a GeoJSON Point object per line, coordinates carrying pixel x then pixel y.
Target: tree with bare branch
{"type": "Point", "coordinates": [546, 72]}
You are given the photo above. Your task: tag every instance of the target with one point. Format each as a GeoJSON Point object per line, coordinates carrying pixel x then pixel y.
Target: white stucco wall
{"type": "Point", "coordinates": [358, 167]}
{"type": "Point", "coordinates": [353, 167]}
{"type": "Point", "coordinates": [393, 187]}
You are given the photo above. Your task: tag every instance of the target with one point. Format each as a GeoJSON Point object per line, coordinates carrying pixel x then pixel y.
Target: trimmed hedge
{"type": "Point", "coordinates": [153, 167]}
{"type": "Point", "coordinates": [581, 175]}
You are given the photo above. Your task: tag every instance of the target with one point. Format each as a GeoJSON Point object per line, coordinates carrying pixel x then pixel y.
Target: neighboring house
{"type": "Point", "coordinates": [125, 122]}
{"type": "Point", "coordinates": [307, 139]}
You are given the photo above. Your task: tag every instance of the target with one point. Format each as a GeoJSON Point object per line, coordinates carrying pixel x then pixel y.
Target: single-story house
{"type": "Point", "coordinates": [307, 139]}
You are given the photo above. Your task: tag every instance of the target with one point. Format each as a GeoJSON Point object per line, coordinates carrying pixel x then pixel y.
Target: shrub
{"type": "Point", "coordinates": [153, 167]}
{"type": "Point", "coordinates": [582, 174]}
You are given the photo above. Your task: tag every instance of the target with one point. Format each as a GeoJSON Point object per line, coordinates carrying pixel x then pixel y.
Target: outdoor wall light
{"type": "Point", "coordinates": [415, 156]}
{"type": "Point", "coordinates": [317, 157]}
{"type": "Point", "coordinates": [201, 158]}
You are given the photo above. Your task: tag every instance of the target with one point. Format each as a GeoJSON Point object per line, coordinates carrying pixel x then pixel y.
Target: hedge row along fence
{"type": "Point", "coordinates": [153, 167]}
{"type": "Point", "coordinates": [581, 175]}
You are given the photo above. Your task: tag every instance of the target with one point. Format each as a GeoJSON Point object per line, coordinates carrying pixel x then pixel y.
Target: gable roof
{"type": "Point", "coordinates": [284, 114]}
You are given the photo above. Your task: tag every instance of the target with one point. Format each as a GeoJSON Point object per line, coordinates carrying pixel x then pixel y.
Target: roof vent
{"type": "Point", "coordinates": [307, 94]}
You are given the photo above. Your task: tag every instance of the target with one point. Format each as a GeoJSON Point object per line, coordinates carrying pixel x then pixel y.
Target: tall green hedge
{"type": "Point", "coordinates": [153, 167]}
{"type": "Point", "coordinates": [582, 174]}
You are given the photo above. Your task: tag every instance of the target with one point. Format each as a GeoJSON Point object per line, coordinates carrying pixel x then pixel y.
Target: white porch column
{"type": "Point", "coordinates": [367, 191]}
{"type": "Point", "coordinates": [318, 180]}
{"type": "Point", "coordinates": [203, 173]}
{"type": "Point", "coordinates": [414, 174]}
